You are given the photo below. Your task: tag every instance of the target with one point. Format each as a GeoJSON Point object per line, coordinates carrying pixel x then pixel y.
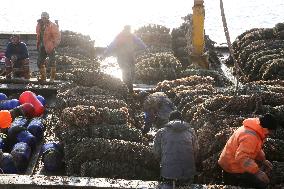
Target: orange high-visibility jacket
{"type": "Point", "coordinates": [51, 36]}
{"type": "Point", "coordinates": [244, 147]}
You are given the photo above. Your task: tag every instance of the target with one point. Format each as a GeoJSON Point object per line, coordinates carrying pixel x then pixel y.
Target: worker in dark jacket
{"type": "Point", "coordinates": [157, 108]}
{"type": "Point", "coordinates": [17, 58]}
{"type": "Point", "coordinates": [124, 46]}
{"type": "Point", "coordinates": [243, 156]}
{"type": "Point", "coordinates": [176, 147]}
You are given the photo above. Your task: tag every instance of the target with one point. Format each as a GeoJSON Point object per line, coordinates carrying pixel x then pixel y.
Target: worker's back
{"type": "Point", "coordinates": [175, 145]}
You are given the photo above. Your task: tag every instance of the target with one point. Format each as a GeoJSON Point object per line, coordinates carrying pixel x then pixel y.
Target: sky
{"type": "Point", "coordinates": [103, 19]}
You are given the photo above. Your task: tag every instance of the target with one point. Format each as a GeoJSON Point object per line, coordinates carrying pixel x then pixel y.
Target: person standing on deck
{"type": "Point", "coordinates": [48, 38]}
{"type": "Point", "coordinates": [17, 58]}
{"type": "Point", "coordinates": [124, 47]}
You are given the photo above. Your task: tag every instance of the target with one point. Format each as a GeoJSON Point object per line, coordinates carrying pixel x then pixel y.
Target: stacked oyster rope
{"type": "Point", "coordinates": [158, 63]}
{"type": "Point", "coordinates": [260, 53]}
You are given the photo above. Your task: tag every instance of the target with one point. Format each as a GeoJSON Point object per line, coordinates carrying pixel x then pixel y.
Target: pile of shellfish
{"type": "Point", "coordinates": [259, 53]}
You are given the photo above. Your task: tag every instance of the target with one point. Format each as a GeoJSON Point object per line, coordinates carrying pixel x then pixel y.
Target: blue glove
{"type": "Point", "coordinates": [147, 121]}
{"type": "Point", "coordinates": [147, 118]}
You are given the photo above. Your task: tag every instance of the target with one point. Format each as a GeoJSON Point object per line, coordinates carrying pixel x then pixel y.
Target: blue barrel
{"type": "Point", "coordinates": [7, 164]}
{"type": "Point", "coordinates": [52, 156]}
{"type": "Point", "coordinates": [18, 125]}
{"type": "Point", "coordinates": [3, 96]}
{"type": "Point", "coordinates": [9, 104]}
{"type": "Point", "coordinates": [41, 99]}
{"type": "Point", "coordinates": [19, 121]}
{"type": "Point", "coordinates": [36, 127]}
{"type": "Point", "coordinates": [21, 153]}
{"type": "Point", "coordinates": [27, 137]}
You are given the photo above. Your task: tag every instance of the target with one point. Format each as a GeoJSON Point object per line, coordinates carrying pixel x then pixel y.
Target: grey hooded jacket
{"type": "Point", "coordinates": [176, 147]}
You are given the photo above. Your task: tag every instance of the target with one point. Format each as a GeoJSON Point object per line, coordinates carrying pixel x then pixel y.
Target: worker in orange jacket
{"type": "Point", "coordinates": [243, 156]}
{"type": "Point", "coordinates": [48, 38]}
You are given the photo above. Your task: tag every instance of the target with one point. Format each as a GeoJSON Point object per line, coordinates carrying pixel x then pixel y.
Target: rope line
{"type": "Point", "coordinates": [231, 50]}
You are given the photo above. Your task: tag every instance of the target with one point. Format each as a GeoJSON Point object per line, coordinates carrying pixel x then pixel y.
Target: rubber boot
{"type": "Point", "coordinates": [8, 68]}
{"type": "Point", "coordinates": [42, 71]}
{"type": "Point", "coordinates": [27, 74]}
{"type": "Point", "coordinates": [52, 74]}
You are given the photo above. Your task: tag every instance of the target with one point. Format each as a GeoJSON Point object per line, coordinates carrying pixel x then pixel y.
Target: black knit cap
{"type": "Point", "coordinates": [268, 121]}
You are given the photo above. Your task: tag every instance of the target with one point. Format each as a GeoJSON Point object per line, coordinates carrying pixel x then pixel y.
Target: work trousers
{"type": "Point", "coordinates": [244, 180]}
{"type": "Point", "coordinates": [42, 55]}
{"type": "Point", "coordinates": [19, 68]}
{"type": "Point", "coordinates": [127, 67]}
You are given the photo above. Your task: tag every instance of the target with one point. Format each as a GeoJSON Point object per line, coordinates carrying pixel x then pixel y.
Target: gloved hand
{"type": "Point", "coordinates": [262, 176]}
{"type": "Point", "coordinates": [14, 58]}
{"type": "Point", "coordinates": [147, 121]}
{"type": "Point", "coordinates": [268, 165]}
{"type": "Point", "coordinates": [146, 129]}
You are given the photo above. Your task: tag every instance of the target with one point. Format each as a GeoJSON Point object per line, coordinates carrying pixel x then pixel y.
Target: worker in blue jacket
{"type": "Point", "coordinates": [157, 108]}
{"type": "Point", "coordinates": [17, 58]}
{"type": "Point", "coordinates": [124, 47]}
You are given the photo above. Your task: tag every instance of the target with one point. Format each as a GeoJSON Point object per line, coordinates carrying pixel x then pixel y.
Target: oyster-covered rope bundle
{"type": "Point", "coordinates": [108, 150]}
{"type": "Point", "coordinates": [260, 53]}
{"type": "Point", "coordinates": [91, 96]}
{"type": "Point", "coordinates": [220, 79]}
{"type": "Point", "coordinates": [274, 149]}
{"type": "Point", "coordinates": [107, 131]}
{"type": "Point", "coordinates": [81, 44]}
{"type": "Point", "coordinates": [156, 37]}
{"type": "Point", "coordinates": [186, 81]}
{"type": "Point", "coordinates": [75, 51]}
{"type": "Point", "coordinates": [109, 169]}
{"type": "Point", "coordinates": [103, 81]}
{"type": "Point", "coordinates": [66, 64]}
{"type": "Point", "coordinates": [155, 67]}
{"type": "Point", "coordinates": [81, 116]}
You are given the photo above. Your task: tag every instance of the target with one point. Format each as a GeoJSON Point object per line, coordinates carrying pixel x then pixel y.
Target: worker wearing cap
{"type": "Point", "coordinates": [243, 156]}
{"type": "Point", "coordinates": [48, 38]}
{"type": "Point", "coordinates": [124, 46]}
{"type": "Point", "coordinates": [17, 59]}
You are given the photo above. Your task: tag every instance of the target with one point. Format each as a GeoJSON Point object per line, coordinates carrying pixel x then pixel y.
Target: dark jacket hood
{"type": "Point", "coordinates": [177, 125]}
